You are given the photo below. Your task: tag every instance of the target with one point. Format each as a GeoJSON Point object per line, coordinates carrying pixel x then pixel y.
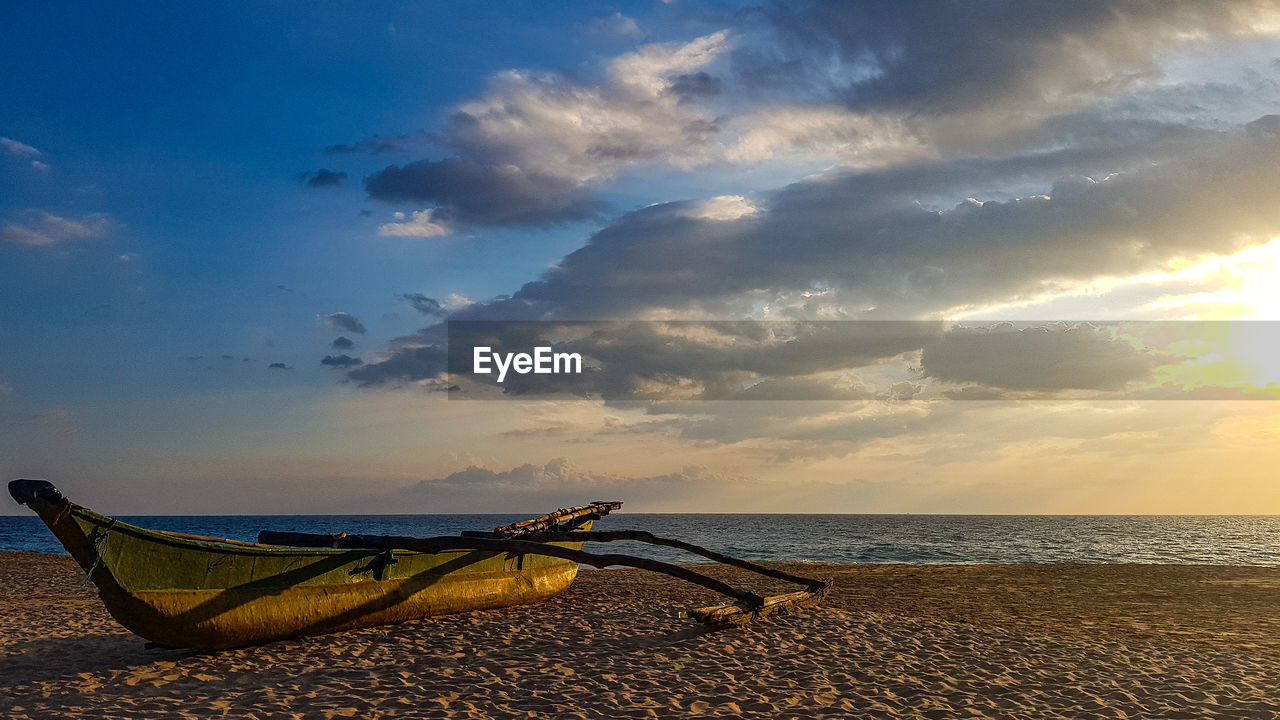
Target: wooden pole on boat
{"type": "Point", "coordinates": [650, 538]}
{"type": "Point", "coordinates": [447, 543]}
{"type": "Point", "coordinates": [540, 531]}
{"type": "Point", "coordinates": [734, 614]}
{"type": "Point", "coordinates": [549, 521]}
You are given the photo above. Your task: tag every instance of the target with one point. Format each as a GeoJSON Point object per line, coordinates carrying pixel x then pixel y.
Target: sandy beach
{"type": "Point", "coordinates": [1120, 641]}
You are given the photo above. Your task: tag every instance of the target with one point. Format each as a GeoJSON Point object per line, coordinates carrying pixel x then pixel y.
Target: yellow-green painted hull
{"type": "Point", "coordinates": [201, 593]}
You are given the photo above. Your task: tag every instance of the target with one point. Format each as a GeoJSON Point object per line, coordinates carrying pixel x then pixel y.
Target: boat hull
{"type": "Point", "coordinates": [204, 593]}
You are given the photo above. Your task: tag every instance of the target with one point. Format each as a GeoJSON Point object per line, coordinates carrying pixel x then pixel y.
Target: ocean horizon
{"type": "Point", "coordinates": [790, 537]}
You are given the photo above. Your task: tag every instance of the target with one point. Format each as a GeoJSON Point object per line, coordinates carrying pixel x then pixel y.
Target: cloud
{"type": "Point", "coordinates": [857, 85]}
{"type": "Point", "coordinates": [951, 158]}
{"type": "Point", "coordinates": [378, 145]}
{"type": "Point", "coordinates": [614, 26]}
{"type": "Point", "coordinates": [43, 229]}
{"type": "Point", "coordinates": [721, 207]}
{"type": "Point", "coordinates": [721, 360]}
{"type": "Point", "coordinates": [322, 178]}
{"type": "Point", "coordinates": [529, 151]}
{"type": "Point", "coordinates": [278, 366]}
{"type": "Point", "coordinates": [558, 482]}
{"type": "Point", "coordinates": [423, 304]}
{"type": "Point", "coordinates": [472, 193]}
{"type": "Point", "coordinates": [880, 361]}
{"type": "Point", "coordinates": [883, 243]}
{"type": "Point", "coordinates": [454, 301]}
{"type": "Point", "coordinates": [419, 225]}
{"type": "Point", "coordinates": [408, 364]}
{"type": "Point", "coordinates": [1054, 357]}
{"type": "Point", "coordinates": [695, 85]}
{"type": "Point", "coordinates": [671, 360]}
{"type": "Point", "coordinates": [343, 343]}
{"type": "Point", "coordinates": [552, 126]}
{"type": "Point", "coordinates": [18, 149]}
{"type": "Point", "coordinates": [1266, 127]}
{"type": "Point", "coordinates": [826, 132]}
{"type": "Point", "coordinates": [346, 322]}
{"type": "Point", "coordinates": [558, 472]}
{"type": "Point", "coordinates": [339, 361]}
{"type": "Point", "coordinates": [951, 59]}
{"type": "Point", "coordinates": [864, 245]}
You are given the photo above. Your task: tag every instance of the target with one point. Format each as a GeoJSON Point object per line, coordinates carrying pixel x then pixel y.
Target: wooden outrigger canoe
{"type": "Point", "coordinates": [209, 593]}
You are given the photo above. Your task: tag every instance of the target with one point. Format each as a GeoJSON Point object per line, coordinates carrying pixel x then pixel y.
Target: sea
{"type": "Point", "coordinates": [911, 539]}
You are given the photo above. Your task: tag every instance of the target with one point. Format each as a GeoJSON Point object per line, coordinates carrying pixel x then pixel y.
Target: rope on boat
{"type": "Point", "coordinates": [99, 536]}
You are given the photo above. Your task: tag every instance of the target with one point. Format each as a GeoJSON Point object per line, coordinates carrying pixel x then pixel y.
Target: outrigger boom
{"type": "Point", "coordinates": [747, 605]}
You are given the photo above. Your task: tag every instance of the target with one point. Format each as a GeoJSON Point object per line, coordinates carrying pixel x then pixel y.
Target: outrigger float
{"type": "Point", "coordinates": [181, 590]}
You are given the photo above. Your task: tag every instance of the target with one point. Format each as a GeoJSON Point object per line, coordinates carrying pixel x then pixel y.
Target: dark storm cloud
{"type": "Point", "coordinates": [322, 178]}
{"type": "Point", "coordinates": [471, 193]}
{"type": "Point", "coordinates": [346, 322]}
{"type": "Point", "coordinates": [423, 304]}
{"type": "Point", "coordinates": [952, 57]}
{"type": "Point", "coordinates": [343, 343]}
{"type": "Point", "coordinates": [339, 361]}
{"type": "Point", "coordinates": [404, 365]}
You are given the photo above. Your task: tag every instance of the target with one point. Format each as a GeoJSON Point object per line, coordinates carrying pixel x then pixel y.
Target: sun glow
{"type": "Point", "coordinates": [1257, 345]}
{"type": "Point", "coordinates": [1253, 296]}
{"type": "Point", "coordinates": [1248, 286]}
{"type": "Point", "coordinates": [1249, 291]}
{"type": "Point", "coordinates": [1242, 289]}
{"type": "Point", "coordinates": [1242, 286]}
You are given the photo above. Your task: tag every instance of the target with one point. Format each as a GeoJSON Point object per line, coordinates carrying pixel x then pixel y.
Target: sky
{"type": "Point", "coordinates": [233, 237]}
